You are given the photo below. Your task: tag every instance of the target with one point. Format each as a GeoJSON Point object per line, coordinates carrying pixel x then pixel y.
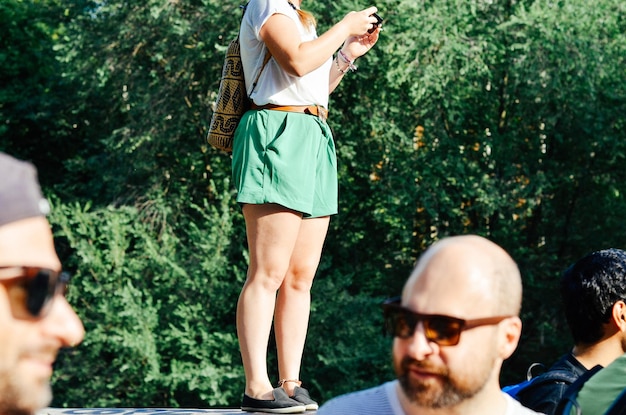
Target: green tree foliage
{"type": "Point", "coordinates": [34, 97]}
{"type": "Point", "coordinates": [157, 311]}
{"type": "Point", "coordinates": [504, 119]}
{"type": "Point", "coordinates": [143, 69]}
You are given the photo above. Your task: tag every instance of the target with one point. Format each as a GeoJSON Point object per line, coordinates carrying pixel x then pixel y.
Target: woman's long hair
{"type": "Point", "coordinates": [306, 18]}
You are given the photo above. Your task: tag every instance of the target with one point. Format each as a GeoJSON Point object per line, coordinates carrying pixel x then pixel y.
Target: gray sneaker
{"type": "Point", "coordinates": [281, 404]}
{"type": "Point", "coordinates": [302, 395]}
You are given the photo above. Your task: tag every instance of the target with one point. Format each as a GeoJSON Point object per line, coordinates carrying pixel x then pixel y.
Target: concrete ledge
{"type": "Point", "coordinates": [143, 411]}
{"type": "Point", "coordinates": [136, 411]}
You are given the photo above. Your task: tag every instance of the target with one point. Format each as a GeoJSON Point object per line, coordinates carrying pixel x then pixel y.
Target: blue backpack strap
{"type": "Point", "coordinates": [618, 407]}
{"type": "Point", "coordinates": [569, 398]}
{"type": "Point", "coordinates": [514, 390]}
{"type": "Point", "coordinates": [565, 377]}
{"type": "Point", "coordinates": [557, 376]}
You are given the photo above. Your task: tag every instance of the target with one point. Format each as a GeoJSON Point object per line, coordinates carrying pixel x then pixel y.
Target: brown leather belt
{"type": "Point", "coordinates": [315, 110]}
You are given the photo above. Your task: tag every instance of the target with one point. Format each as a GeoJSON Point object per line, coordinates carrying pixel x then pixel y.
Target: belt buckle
{"type": "Point", "coordinates": [322, 113]}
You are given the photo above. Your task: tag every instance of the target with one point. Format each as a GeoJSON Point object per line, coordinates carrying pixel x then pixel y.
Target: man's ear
{"type": "Point", "coordinates": [511, 332]}
{"type": "Point", "coordinates": [619, 315]}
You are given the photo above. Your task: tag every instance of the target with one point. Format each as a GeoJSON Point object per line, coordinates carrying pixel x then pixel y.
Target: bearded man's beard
{"type": "Point", "coordinates": [440, 391]}
{"type": "Point", "coordinates": [18, 398]}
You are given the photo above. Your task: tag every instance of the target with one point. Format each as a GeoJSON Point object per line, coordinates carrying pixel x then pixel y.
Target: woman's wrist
{"type": "Point", "coordinates": [345, 58]}
{"type": "Point", "coordinates": [346, 55]}
{"type": "Point", "coordinates": [340, 65]}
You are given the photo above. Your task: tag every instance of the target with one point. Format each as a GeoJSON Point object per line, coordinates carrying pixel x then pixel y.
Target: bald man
{"type": "Point", "coordinates": [457, 321]}
{"type": "Point", "coordinates": [35, 318]}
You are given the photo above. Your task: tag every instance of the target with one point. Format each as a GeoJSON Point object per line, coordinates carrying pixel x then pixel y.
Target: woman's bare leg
{"type": "Point", "coordinates": [294, 299]}
{"type": "Point", "coordinates": [272, 233]}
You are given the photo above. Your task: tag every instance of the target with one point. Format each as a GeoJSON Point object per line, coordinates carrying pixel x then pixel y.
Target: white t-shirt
{"type": "Point", "coordinates": [275, 86]}
{"type": "Point", "coordinates": [379, 400]}
{"type": "Point", "coordinates": [383, 400]}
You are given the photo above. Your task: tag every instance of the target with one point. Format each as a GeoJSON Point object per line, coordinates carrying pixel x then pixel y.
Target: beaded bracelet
{"type": "Point", "coordinates": [344, 57]}
{"type": "Point", "coordinates": [339, 67]}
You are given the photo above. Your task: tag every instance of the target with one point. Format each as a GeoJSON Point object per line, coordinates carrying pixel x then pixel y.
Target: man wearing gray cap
{"type": "Point", "coordinates": [35, 318]}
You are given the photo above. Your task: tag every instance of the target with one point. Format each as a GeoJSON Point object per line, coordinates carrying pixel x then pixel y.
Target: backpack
{"type": "Point", "coordinates": [572, 383]}
{"type": "Point", "coordinates": [618, 407]}
{"type": "Point", "coordinates": [563, 376]}
{"type": "Point", "coordinates": [232, 99]}
{"type": "Point", "coordinates": [568, 401]}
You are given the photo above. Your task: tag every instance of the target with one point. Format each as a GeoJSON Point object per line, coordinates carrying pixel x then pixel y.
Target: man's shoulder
{"type": "Point", "coordinates": [603, 388]}
{"type": "Point", "coordinates": [373, 401]}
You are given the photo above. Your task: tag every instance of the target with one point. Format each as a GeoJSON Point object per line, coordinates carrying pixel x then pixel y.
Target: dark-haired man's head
{"type": "Point", "coordinates": [594, 295]}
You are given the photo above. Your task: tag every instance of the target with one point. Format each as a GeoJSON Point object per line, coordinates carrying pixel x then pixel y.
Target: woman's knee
{"type": "Point", "coordinates": [300, 279]}
{"type": "Point", "coordinates": [270, 281]}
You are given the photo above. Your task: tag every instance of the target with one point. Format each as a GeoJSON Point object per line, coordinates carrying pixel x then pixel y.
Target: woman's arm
{"type": "Point", "coordinates": [298, 58]}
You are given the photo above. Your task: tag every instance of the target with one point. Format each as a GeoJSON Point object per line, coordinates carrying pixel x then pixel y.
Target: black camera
{"type": "Point", "coordinates": [379, 20]}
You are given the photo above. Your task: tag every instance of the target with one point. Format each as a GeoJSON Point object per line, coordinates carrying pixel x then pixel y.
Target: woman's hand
{"type": "Point", "coordinates": [358, 23]}
{"type": "Point", "coordinates": [357, 46]}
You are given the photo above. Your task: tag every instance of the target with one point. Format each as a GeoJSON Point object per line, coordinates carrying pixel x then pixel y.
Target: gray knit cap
{"type": "Point", "coordinates": [20, 194]}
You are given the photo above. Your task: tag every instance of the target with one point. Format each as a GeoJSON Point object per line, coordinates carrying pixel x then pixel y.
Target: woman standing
{"type": "Point", "coordinates": [285, 172]}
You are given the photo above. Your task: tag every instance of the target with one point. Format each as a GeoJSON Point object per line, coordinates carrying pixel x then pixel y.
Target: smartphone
{"type": "Point", "coordinates": [379, 21]}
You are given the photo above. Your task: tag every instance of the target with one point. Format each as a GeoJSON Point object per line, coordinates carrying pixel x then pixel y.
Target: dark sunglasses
{"type": "Point", "coordinates": [31, 289]}
{"type": "Point", "coordinates": [443, 330]}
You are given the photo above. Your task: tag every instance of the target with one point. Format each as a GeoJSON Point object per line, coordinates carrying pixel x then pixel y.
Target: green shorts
{"type": "Point", "coordinates": [286, 158]}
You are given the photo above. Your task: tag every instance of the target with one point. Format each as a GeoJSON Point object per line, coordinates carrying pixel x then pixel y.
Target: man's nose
{"type": "Point", "coordinates": [419, 346]}
{"type": "Point", "coordinates": [63, 323]}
